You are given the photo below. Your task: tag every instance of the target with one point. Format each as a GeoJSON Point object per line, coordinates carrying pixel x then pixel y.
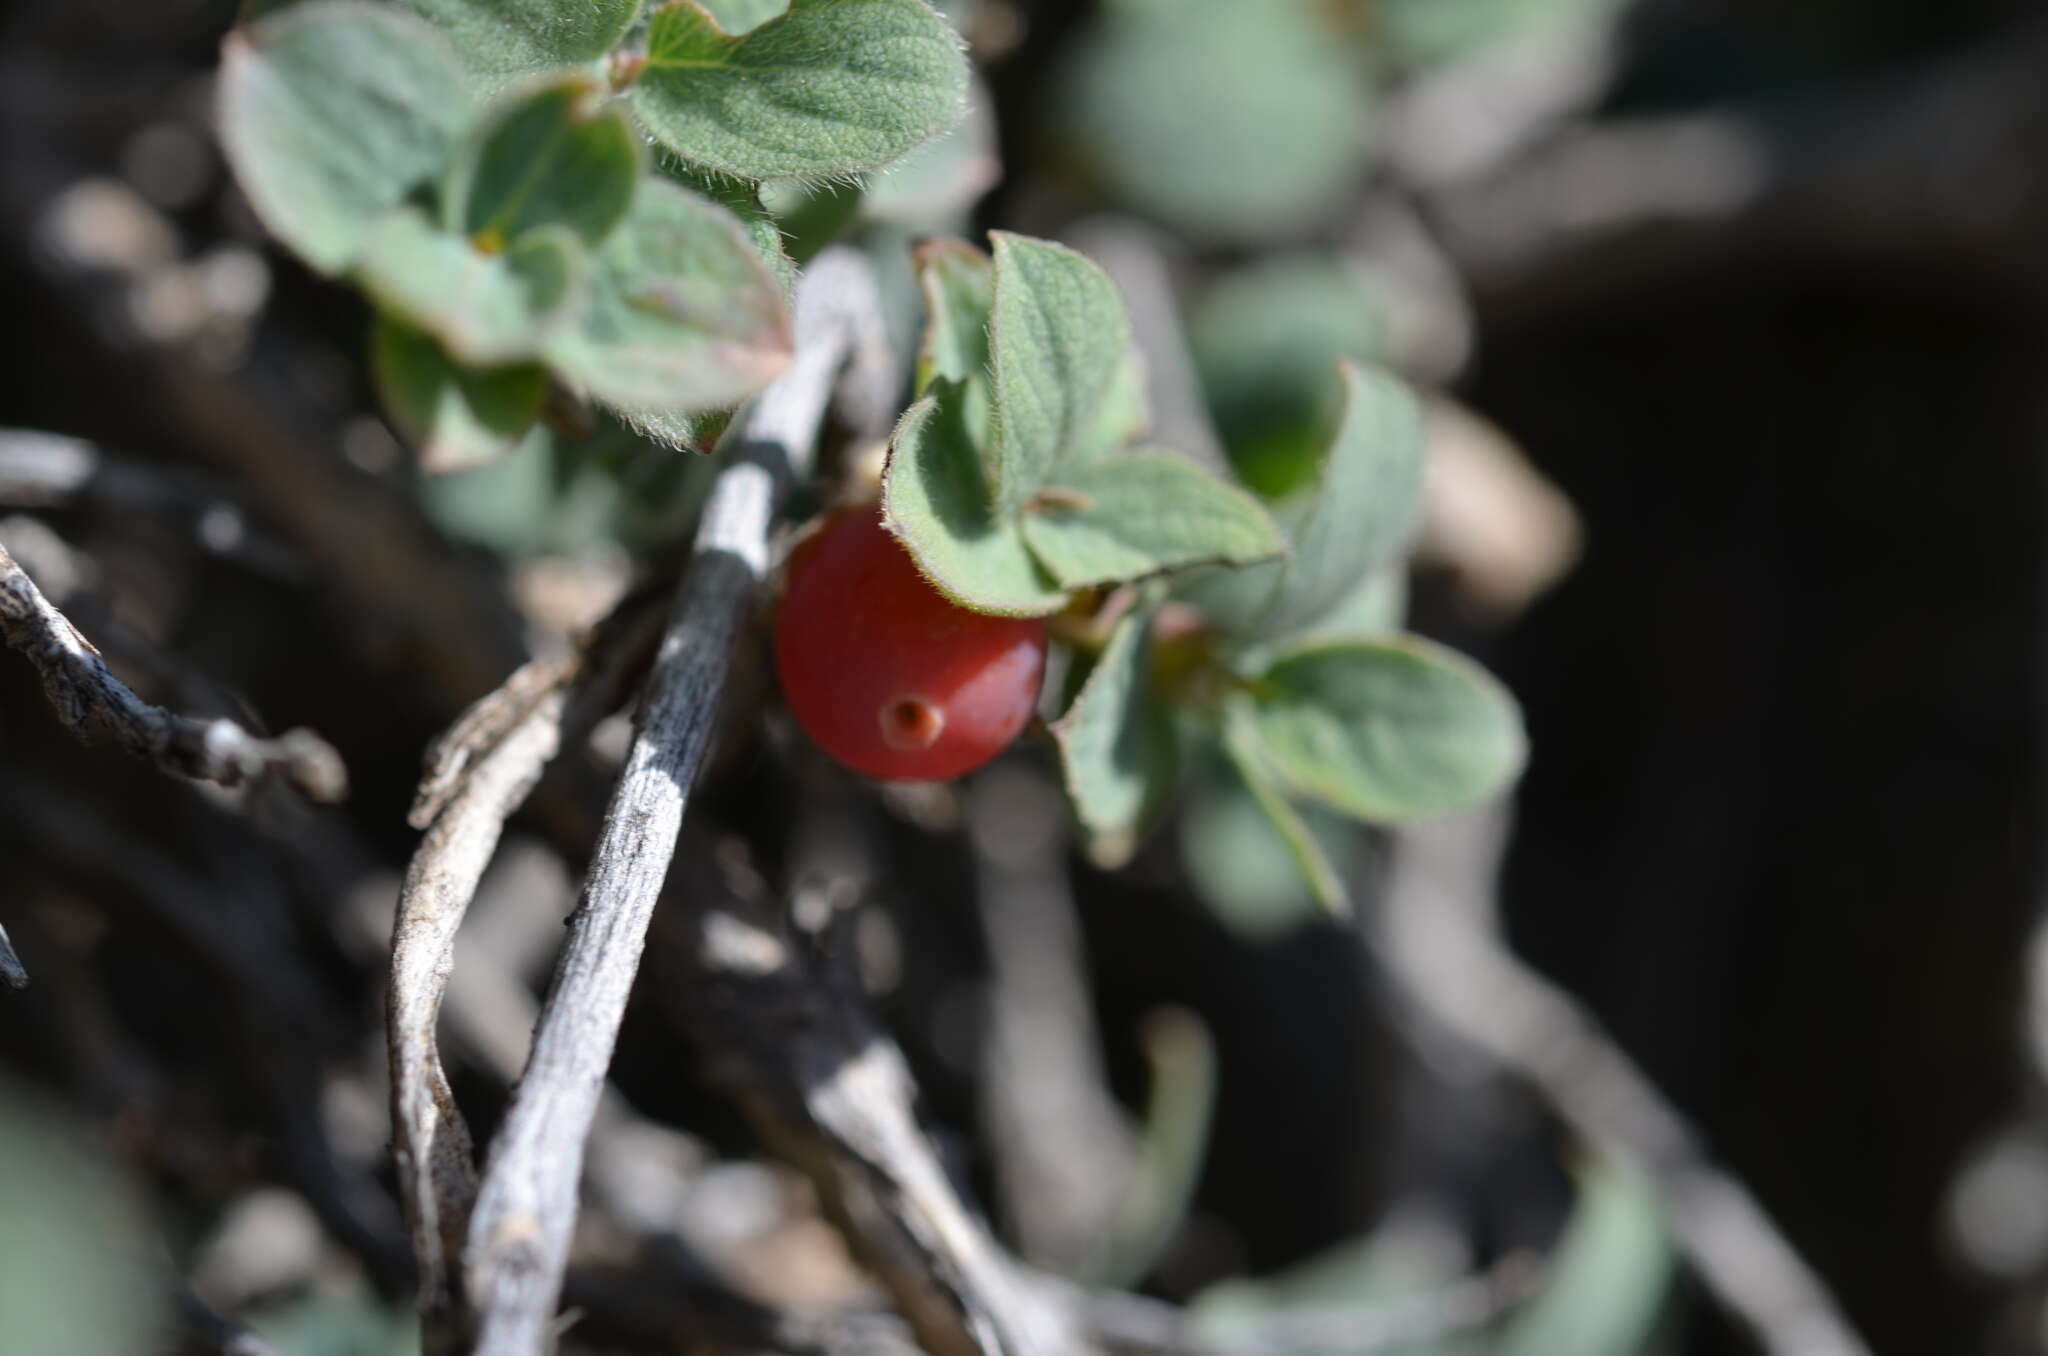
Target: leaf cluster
{"type": "Point", "coordinates": [480, 169]}
{"type": "Point", "coordinates": [1256, 630]}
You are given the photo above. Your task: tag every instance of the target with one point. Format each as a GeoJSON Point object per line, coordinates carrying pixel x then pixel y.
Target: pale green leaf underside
{"type": "Point", "coordinates": [1387, 729]}
{"type": "Point", "coordinates": [738, 16]}
{"type": "Point", "coordinates": [331, 114]}
{"type": "Point", "coordinates": [1117, 746]}
{"type": "Point", "coordinates": [958, 284]}
{"type": "Point", "coordinates": [484, 308]}
{"type": "Point", "coordinates": [1355, 518]}
{"type": "Point", "coordinates": [935, 500]}
{"type": "Point", "coordinates": [1057, 334]}
{"type": "Point", "coordinates": [683, 314]}
{"type": "Point", "coordinates": [457, 417]}
{"type": "Point", "coordinates": [1244, 745]}
{"type": "Point", "coordinates": [831, 87]}
{"type": "Point", "coordinates": [502, 39]}
{"type": "Point", "coordinates": [1141, 514]}
{"type": "Point", "coordinates": [551, 156]}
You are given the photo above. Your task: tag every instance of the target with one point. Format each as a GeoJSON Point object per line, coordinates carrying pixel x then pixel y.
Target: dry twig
{"type": "Point", "coordinates": [86, 693]}
{"type": "Point", "coordinates": [1441, 943]}
{"type": "Point", "coordinates": [519, 1231]}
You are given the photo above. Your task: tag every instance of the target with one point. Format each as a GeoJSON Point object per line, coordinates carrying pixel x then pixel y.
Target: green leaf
{"type": "Point", "coordinates": [1057, 334]}
{"type": "Point", "coordinates": [551, 156]}
{"type": "Point", "coordinates": [331, 114]}
{"type": "Point", "coordinates": [1607, 1279]}
{"type": "Point", "coordinates": [1142, 514]}
{"type": "Point", "coordinates": [456, 416]}
{"type": "Point", "coordinates": [1266, 338]}
{"type": "Point", "coordinates": [1430, 32]}
{"type": "Point", "coordinates": [1356, 518]}
{"type": "Point", "coordinates": [743, 200]}
{"type": "Point", "coordinates": [1122, 416]}
{"type": "Point", "coordinates": [811, 215]}
{"type": "Point", "coordinates": [831, 87]}
{"type": "Point", "coordinates": [1386, 729]}
{"type": "Point", "coordinates": [1244, 746]}
{"type": "Point", "coordinates": [935, 500]}
{"type": "Point", "coordinates": [958, 282]}
{"type": "Point", "coordinates": [1227, 120]}
{"type": "Point", "coordinates": [1118, 748]}
{"type": "Point", "coordinates": [1238, 862]}
{"type": "Point", "coordinates": [501, 39]}
{"type": "Point", "coordinates": [683, 314]}
{"type": "Point", "coordinates": [486, 309]}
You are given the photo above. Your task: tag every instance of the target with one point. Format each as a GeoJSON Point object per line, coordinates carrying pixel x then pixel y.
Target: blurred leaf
{"type": "Point", "coordinates": [742, 198]}
{"type": "Point", "coordinates": [1226, 120]}
{"type": "Point", "coordinates": [679, 432]}
{"type": "Point", "coordinates": [1386, 729]}
{"type": "Point", "coordinates": [1356, 518]}
{"type": "Point", "coordinates": [1057, 334]}
{"type": "Point", "coordinates": [552, 156]}
{"type": "Point", "coordinates": [485, 309]}
{"type": "Point", "coordinates": [831, 87]}
{"type": "Point", "coordinates": [958, 282]}
{"type": "Point", "coordinates": [1432, 32]}
{"type": "Point", "coordinates": [501, 39]}
{"type": "Point", "coordinates": [936, 502]}
{"type": "Point", "coordinates": [1244, 746]}
{"type": "Point", "coordinates": [1118, 748]}
{"type": "Point", "coordinates": [78, 1270]}
{"type": "Point", "coordinates": [1377, 603]}
{"type": "Point", "coordinates": [1265, 338]}
{"type": "Point", "coordinates": [338, 1325]}
{"type": "Point", "coordinates": [456, 416]}
{"type": "Point", "coordinates": [943, 177]}
{"type": "Point", "coordinates": [332, 113]}
{"type": "Point", "coordinates": [1608, 1278]}
{"type": "Point", "coordinates": [683, 314]}
{"type": "Point", "coordinates": [1240, 864]}
{"type": "Point", "coordinates": [1142, 514]}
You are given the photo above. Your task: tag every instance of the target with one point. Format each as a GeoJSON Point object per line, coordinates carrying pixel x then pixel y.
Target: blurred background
{"type": "Point", "coordinates": [1734, 319]}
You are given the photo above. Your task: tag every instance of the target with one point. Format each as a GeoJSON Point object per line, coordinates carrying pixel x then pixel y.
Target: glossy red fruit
{"type": "Point", "coordinates": [886, 674]}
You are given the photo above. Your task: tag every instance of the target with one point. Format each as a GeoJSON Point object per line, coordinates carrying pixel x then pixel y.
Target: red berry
{"type": "Point", "coordinates": [886, 674]}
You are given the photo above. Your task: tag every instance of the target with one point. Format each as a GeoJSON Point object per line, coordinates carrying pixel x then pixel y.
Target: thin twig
{"type": "Point", "coordinates": [1440, 942]}
{"type": "Point", "coordinates": [86, 693]}
{"type": "Point", "coordinates": [12, 973]}
{"type": "Point", "coordinates": [49, 470]}
{"type": "Point", "coordinates": [435, 1161]}
{"type": "Point", "coordinates": [782, 1026]}
{"type": "Point", "coordinates": [519, 1232]}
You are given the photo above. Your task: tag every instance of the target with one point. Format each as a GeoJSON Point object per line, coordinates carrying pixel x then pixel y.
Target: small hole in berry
{"type": "Point", "coordinates": [910, 723]}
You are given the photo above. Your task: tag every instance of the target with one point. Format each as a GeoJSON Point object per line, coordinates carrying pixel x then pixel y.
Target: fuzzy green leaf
{"type": "Point", "coordinates": [1386, 728]}
{"type": "Point", "coordinates": [743, 200]}
{"type": "Point", "coordinates": [935, 500]}
{"type": "Point", "coordinates": [331, 114]}
{"type": "Point", "coordinates": [831, 87]}
{"type": "Point", "coordinates": [1057, 335]}
{"type": "Point", "coordinates": [1142, 514]}
{"type": "Point", "coordinates": [683, 314]}
{"type": "Point", "coordinates": [458, 417]}
{"type": "Point", "coordinates": [1245, 748]}
{"type": "Point", "coordinates": [554, 155]}
{"type": "Point", "coordinates": [1117, 744]}
{"type": "Point", "coordinates": [1225, 119]}
{"type": "Point", "coordinates": [1356, 518]}
{"type": "Point", "coordinates": [486, 309]}
{"type": "Point", "coordinates": [958, 282]}
{"type": "Point", "coordinates": [928, 188]}
{"type": "Point", "coordinates": [502, 39]}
